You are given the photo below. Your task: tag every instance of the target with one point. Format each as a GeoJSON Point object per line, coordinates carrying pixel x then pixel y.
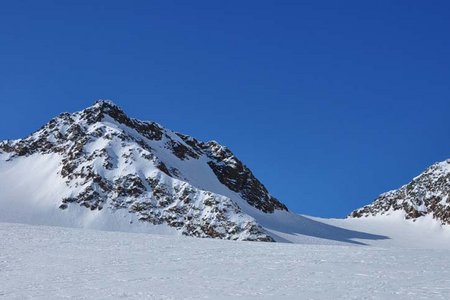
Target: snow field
{"type": "Point", "coordinates": [43, 262]}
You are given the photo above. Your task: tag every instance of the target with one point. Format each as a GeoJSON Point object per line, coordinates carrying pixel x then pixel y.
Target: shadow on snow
{"type": "Point", "coordinates": [301, 225]}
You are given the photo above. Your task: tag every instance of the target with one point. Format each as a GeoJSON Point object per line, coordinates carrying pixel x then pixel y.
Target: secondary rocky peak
{"type": "Point", "coordinates": [426, 194]}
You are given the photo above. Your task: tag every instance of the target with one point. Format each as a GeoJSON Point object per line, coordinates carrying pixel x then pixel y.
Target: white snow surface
{"type": "Point", "coordinates": [41, 262]}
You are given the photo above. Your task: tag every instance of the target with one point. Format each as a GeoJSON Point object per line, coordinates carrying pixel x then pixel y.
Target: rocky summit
{"type": "Point", "coordinates": [427, 194]}
{"type": "Point", "coordinates": [110, 162]}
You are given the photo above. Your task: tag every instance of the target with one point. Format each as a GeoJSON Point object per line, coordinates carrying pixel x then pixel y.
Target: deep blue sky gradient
{"type": "Point", "coordinates": [329, 102]}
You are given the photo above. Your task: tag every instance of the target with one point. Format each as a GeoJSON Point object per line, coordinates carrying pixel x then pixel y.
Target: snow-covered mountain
{"type": "Point", "coordinates": [99, 168]}
{"type": "Point", "coordinates": [427, 194]}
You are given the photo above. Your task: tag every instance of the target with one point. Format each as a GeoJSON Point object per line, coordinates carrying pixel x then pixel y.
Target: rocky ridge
{"type": "Point", "coordinates": [427, 194]}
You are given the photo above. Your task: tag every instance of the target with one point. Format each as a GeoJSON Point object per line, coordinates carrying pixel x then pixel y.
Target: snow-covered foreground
{"type": "Point", "coordinates": [53, 262]}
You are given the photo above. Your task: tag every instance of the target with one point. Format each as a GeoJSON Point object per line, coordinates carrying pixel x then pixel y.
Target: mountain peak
{"type": "Point", "coordinates": [105, 106]}
{"type": "Point", "coordinates": [104, 103]}
{"type": "Point", "coordinates": [100, 108]}
{"type": "Point", "coordinates": [108, 161]}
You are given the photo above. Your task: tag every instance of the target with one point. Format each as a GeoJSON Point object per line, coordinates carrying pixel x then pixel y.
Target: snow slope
{"type": "Point", "coordinates": [378, 231]}
{"type": "Point", "coordinates": [424, 233]}
{"type": "Point", "coordinates": [31, 190]}
{"type": "Point", "coordinates": [42, 262]}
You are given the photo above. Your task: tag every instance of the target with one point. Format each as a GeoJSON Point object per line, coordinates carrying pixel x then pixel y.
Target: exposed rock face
{"type": "Point", "coordinates": [232, 173]}
{"type": "Point", "coordinates": [427, 194]}
{"type": "Point", "coordinates": [111, 161]}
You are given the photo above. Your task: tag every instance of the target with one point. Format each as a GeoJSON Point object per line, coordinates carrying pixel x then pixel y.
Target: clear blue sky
{"type": "Point", "coordinates": [329, 102]}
